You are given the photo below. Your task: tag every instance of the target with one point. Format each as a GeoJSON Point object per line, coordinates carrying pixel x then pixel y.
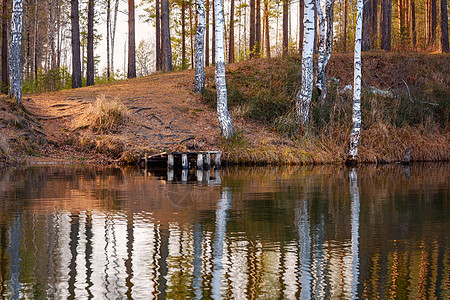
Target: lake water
{"type": "Point", "coordinates": [241, 233]}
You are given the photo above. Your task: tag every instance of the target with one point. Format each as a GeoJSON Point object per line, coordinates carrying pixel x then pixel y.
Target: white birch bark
{"type": "Point", "coordinates": [354, 195]}
{"type": "Point", "coordinates": [325, 15]}
{"type": "Point", "coordinates": [199, 85]}
{"type": "Point", "coordinates": [356, 131]}
{"type": "Point", "coordinates": [15, 66]}
{"type": "Point", "coordinates": [303, 98]}
{"type": "Point", "coordinates": [226, 124]}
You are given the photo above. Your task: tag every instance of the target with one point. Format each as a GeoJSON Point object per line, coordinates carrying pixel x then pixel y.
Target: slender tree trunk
{"type": "Point", "coordinates": [213, 42]}
{"type": "Point", "coordinates": [166, 47]}
{"type": "Point", "coordinates": [131, 41]}
{"type": "Point", "coordinates": [58, 37]}
{"type": "Point", "coordinates": [90, 45]}
{"type": "Point", "coordinates": [199, 86]}
{"type": "Point", "coordinates": [226, 125]}
{"type": "Point", "coordinates": [231, 49]}
{"type": "Point", "coordinates": [158, 38]}
{"type": "Point", "coordinates": [413, 24]}
{"type": "Point", "coordinates": [113, 35]}
{"type": "Point", "coordinates": [108, 39]}
{"type": "Point", "coordinates": [76, 61]}
{"type": "Point", "coordinates": [367, 25]}
{"type": "Point", "coordinates": [301, 27]}
{"type": "Point", "coordinates": [433, 22]}
{"type": "Point", "coordinates": [356, 131]}
{"type": "Point", "coordinates": [48, 60]}
{"type": "Point", "coordinates": [183, 34]}
{"type": "Point", "coordinates": [191, 27]}
{"type": "Point", "coordinates": [303, 98]}
{"type": "Point", "coordinates": [28, 49]}
{"type": "Point", "coordinates": [36, 23]}
{"type": "Point", "coordinates": [286, 27]}
{"type": "Point", "coordinates": [258, 29]}
{"type": "Point", "coordinates": [344, 37]}
{"type": "Point", "coordinates": [374, 23]}
{"type": "Point", "coordinates": [207, 34]}
{"type": "Point", "coordinates": [325, 14]}
{"type": "Point", "coordinates": [386, 18]}
{"type": "Point", "coordinates": [267, 32]}
{"type": "Point", "coordinates": [5, 77]}
{"type": "Point", "coordinates": [15, 65]}
{"type": "Point", "coordinates": [252, 29]}
{"type": "Point", "coordinates": [444, 27]}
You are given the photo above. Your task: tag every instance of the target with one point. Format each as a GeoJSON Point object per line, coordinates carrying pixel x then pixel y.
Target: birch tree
{"type": "Point", "coordinates": [199, 86]}
{"type": "Point", "coordinates": [303, 98]}
{"type": "Point", "coordinates": [15, 66]}
{"type": "Point", "coordinates": [226, 124]}
{"type": "Point", "coordinates": [325, 14]}
{"type": "Point", "coordinates": [356, 131]}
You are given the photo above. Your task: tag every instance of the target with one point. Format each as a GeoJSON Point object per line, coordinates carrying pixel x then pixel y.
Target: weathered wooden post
{"type": "Point", "coordinates": [218, 160]}
{"type": "Point", "coordinates": [207, 161]}
{"type": "Point", "coordinates": [184, 161]}
{"type": "Point", "coordinates": [184, 175]}
{"type": "Point", "coordinates": [217, 178]}
{"type": "Point", "coordinates": [199, 161]}
{"type": "Point", "coordinates": [170, 175]}
{"type": "Point", "coordinates": [170, 161]}
{"type": "Point", "coordinates": [199, 175]}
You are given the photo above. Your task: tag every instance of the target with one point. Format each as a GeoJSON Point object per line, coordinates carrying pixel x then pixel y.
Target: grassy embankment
{"type": "Point", "coordinates": [417, 113]}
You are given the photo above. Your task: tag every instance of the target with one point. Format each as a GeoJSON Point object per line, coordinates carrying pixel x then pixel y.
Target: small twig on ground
{"type": "Point", "coordinates": [141, 109]}
{"type": "Point", "coordinates": [409, 94]}
{"type": "Point", "coordinates": [146, 127]}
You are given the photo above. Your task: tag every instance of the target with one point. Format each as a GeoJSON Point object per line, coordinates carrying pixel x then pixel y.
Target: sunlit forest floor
{"type": "Point", "coordinates": [405, 102]}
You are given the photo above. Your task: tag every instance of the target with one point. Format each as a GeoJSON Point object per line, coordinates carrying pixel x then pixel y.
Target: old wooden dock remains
{"type": "Point", "coordinates": [186, 160]}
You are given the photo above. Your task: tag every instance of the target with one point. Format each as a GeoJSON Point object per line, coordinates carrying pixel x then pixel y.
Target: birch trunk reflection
{"type": "Point", "coordinates": [304, 248]}
{"type": "Point", "coordinates": [197, 261]}
{"type": "Point", "coordinates": [14, 254]}
{"type": "Point", "coordinates": [354, 195]}
{"type": "Point", "coordinates": [221, 227]}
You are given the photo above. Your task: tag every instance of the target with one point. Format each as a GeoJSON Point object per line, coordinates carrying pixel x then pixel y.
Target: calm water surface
{"type": "Point", "coordinates": [261, 233]}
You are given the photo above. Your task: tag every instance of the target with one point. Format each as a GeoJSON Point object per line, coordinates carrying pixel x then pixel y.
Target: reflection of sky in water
{"type": "Point", "coordinates": [278, 234]}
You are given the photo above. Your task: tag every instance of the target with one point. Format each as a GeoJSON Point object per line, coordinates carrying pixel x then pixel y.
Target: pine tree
{"type": "Point", "coordinates": [90, 45]}
{"type": "Point", "coordinates": [15, 65]}
{"type": "Point", "coordinates": [76, 60]}
{"type": "Point", "coordinates": [131, 41]}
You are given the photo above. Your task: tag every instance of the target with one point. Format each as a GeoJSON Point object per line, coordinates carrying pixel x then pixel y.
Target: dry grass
{"type": "Point", "coordinates": [4, 147]}
{"type": "Point", "coordinates": [103, 116]}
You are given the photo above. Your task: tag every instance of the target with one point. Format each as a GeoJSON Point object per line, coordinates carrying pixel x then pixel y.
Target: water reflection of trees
{"type": "Point", "coordinates": [264, 234]}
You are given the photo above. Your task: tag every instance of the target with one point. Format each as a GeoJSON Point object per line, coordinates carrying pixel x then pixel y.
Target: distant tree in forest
{"type": "Point", "coordinates": [131, 41]}
{"type": "Point", "coordinates": [15, 65]}
{"type": "Point", "coordinates": [90, 74]}
{"type": "Point", "coordinates": [76, 60]}
{"type": "Point", "coordinates": [199, 85]}
{"type": "Point", "coordinates": [144, 60]}
{"type": "Point", "coordinates": [166, 48]}
{"type": "Point", "coordinates": [444, 27]}
{"type": "Point", "coordinates": [5, 77]}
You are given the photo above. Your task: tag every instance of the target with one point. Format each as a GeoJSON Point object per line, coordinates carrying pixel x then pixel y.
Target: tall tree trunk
{"type": "Point", "coordinates": [183, 34]}
{"type": "Point", "coordinates": [252, 29]}
{"type": "Point", "coordinates": [303, 98]}
{"type": "Point", "coordinates": [413, 24]}
{"type": "Point", "coordinates": [76, 61]}
{"type": "Point", "coordinates": [231, 49]}
{"type": "Point", "coordinates": [36, 23]}
{"type": "Point", "coordinates": [267, 32]}
{"type": "Point", "coordinates": [301, 27]}
{"type": "Point", "coordinates": [433, 23]}
{"type": "Point", "coordinates": [165, 32]}
{"type": "Point", "coordinates": [48, 61]}
{"type": "Point", "coordinates": [108, 39]}
{"type": "Point", "coordinates": [213, 42]}
{"type": "Point", "coordinates": [131, 41]}
{"type": "Point", "coordinates": [386, 18]}
{"type": "Point", "coordinates": [158, 38]}
{"type": "Point", "coordinates": [344, 35]}
{"type": "Point", "coordinates": [444, 27]}
{"type": "Point", "coordinates": [374, 23]}
{"type": "Point", "coordinates": [356, 131]}
{"type": "Point", "coordinates": [58, 38]}
{"type": "Point", "coordinates": [15, 66]}
{"type": "Point", "coordinates": [207, 34]}
{"type": "Point", "coordinates": [113, 35]}
{"type": "Point", "coordinates": [191, 30]}
{"type": "Point", "coordinates": [367, 25]}
{"type": "Point", "coordinates": [28, 48]}
{"type": "Point", "coordinates": [226, 124]}
{"type": "Point", "coordinates": [90, 45]}
{"type": "Point", "coordinates": [325, 14]}
{"type": "Point", "coordinates": [286, 27]}
{"type": "Point", "coordinates": [199, 86]}
{"type": "Point", "coordinates": [5, 77]}
{"type": "Point", "coordinates": [258, 29]}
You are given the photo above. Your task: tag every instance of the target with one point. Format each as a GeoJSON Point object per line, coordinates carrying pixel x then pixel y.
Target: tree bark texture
{"type": "Point", "coordinates": [199, 85]}
{"type": "Point", "coordinates": [166, 46]}
{"type": "Point", "coordinates": [36, 19]}
{"type": "Point", "coordinates": [301, 30]}
{"type": "Point", "coordinates": [344, 32]}
{"type": "Point", "coordinates": [444, 27]}
{"type": "Point", "coordinates": [356, 116]}
{"type": "Point", "coordinates": [325, 14]}
{"type": "Point", "coordinates": [113, 34]}
{"type": "Point", "coordinates": [258, 29]}
{"type": "Point", "coordinates": [226, 124]}
{"type": "Point", "coordinates": [252, 29]}
{"type": "Point", "coordinates": [386, 19]}
{"type": "Point", "coordinates": [183, 35]}
{"type": "Point", "coordinates": [5, 77]}
{"type": "Point", "coordinates": [76, 60]}
{"type": "Point", "coordinates": [303, 98]}
{"type": "Point", "coordinates": [413, 23]}
{"type": "Point", "coordinates": [108, 39]}
{"type": "Point", "coordinates": [286, 27]}
{"type": "Point", "coordinates": [131, 41]}
{"type": "Point", "coordinates": [15, 66]}
{"type": "Point", "coordinates": [267, 32]}
{"type": "Point", "coordinates": [432, 40]}
{"type": "Point", "coordinates": [213, 40]}
{"type": "Point", "coordinates": [207, 34]}
{"type": "Point", "coordinates": [90, 45]}
{"type": "Point", "coordinates": [231, 48]}
{"type": "Point", "coordinates": [366, 26]}
{"type": "Point", "coordinates": [374, 23]}
{"type": "Point", "coordinates": [158, 37]}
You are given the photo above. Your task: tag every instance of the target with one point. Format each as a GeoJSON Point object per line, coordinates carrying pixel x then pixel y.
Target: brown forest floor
{"type": "Point", "coordinates": [165, 115]}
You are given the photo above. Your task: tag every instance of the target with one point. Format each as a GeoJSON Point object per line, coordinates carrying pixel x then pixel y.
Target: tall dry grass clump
{"type": "Point", "coordinates": [103, 116]}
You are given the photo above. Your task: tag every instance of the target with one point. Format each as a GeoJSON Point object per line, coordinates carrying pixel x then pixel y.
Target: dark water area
{"type": "Point", "coordinates": [241, 233]}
